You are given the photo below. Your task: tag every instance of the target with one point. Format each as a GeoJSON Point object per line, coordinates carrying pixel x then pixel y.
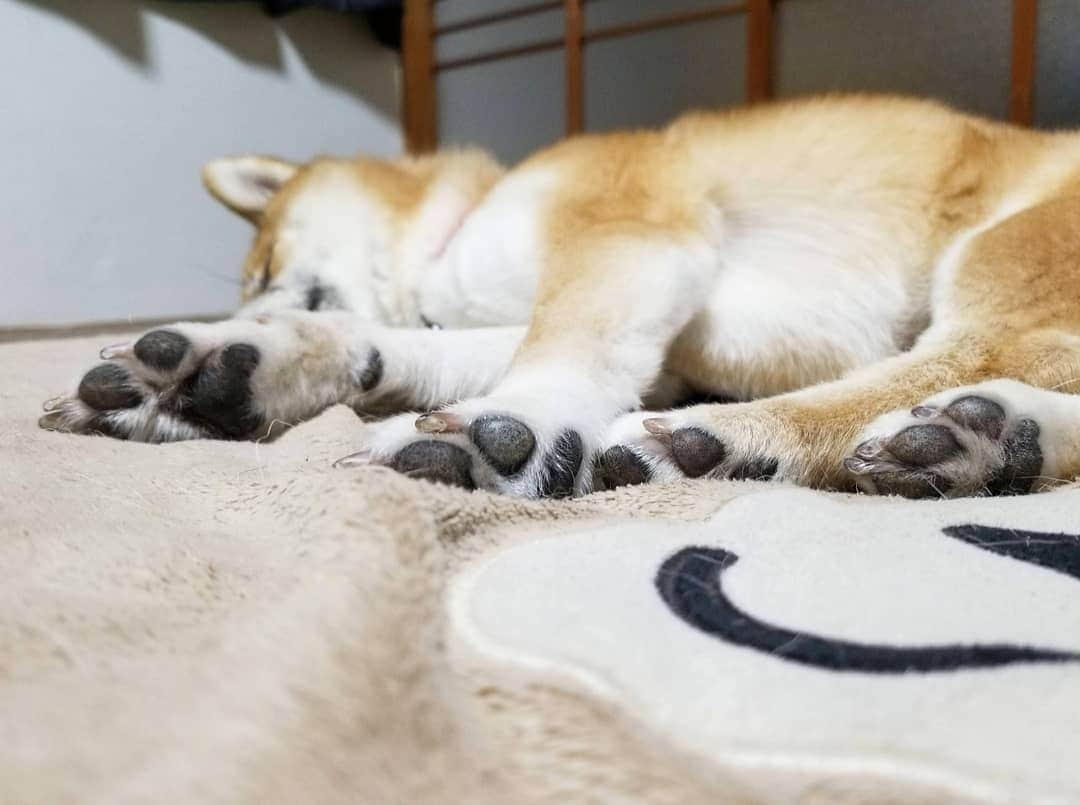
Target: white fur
{"type": "Point", "coordinates": [801, 268]}
{"type": "Point", "coordinates": [487, 273]}
{"type": "Point", "coordinates": [424, 369]}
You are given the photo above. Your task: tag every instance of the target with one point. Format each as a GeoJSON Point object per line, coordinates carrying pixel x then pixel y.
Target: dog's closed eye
{"type": "Point", "coordinates": [316, 294]}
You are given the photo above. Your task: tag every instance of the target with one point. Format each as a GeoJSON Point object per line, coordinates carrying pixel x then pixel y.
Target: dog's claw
{"type": "Point", "coordinates": [358, 459]}
{"type": "Point", "coordinates": [868, 449]}
{"type": "Point", "coordinates": [117, 351]}
{"type": "Point", "coordinates": [858, 466]}
{"type": "Point", "coordinates": [51, 421]}
{"type": "Point", "coordinates": [440, 422]}
{"type": "Point", "coordinates": [659, 427]}
{"type": "Point", "coordinates": [53, 403]}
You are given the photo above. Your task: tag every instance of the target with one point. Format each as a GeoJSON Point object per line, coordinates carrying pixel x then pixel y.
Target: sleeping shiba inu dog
{"type": "Point", "coordinates": [889, 289]}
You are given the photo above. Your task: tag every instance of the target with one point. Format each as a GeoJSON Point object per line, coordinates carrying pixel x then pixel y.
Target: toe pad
{"type": "Point", "coordinates": [695, 451]}
{"type": "Point", "coordinates": [505, 442]}
{"type": "Point", "coordinates": [436, 461]}
{"type": "Point", "coordinates": [620, 466]}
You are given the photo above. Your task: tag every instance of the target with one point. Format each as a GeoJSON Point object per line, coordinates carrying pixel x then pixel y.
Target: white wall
{"type": "Point", "coordinates": [108, 108]}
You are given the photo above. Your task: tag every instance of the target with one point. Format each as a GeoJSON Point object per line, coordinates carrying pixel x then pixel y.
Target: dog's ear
{"type": "Point", "coordinates": [245, 184]}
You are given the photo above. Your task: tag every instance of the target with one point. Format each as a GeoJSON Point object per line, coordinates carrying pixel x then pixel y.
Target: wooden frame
{"type": "Point", "coordinates": [421, 68]}
{"type": "Point", "coordinates": [418, 85]}
{"type": "Point", "coordinates": [1022, 75]}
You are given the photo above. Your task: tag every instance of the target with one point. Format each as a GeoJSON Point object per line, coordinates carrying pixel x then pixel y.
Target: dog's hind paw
{"type": "Point", "coordinates": [984, 440]}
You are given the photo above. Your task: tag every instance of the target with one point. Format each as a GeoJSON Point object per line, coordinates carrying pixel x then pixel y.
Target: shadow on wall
{"type": "Point", "coordinates": [122, 26]}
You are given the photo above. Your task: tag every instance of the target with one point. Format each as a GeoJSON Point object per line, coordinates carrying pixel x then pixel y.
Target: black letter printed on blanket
{"type": "Point", "coordinates": [690, 584]}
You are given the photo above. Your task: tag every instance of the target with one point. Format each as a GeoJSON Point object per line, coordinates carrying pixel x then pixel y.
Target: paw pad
{"type": "Point", "coordinates": [756, 469]}
{"type": "Point", "coordinates": [505, 442]}
{"type": "Point", "coordinates": [108, 386]}
{"type": "Point", "coordinates": [373, 372]}
{"type": "Point", "coordinates": [1023, 460]}
{"type": "Point", "coordinates": [219, 395]}
{"type": "Point", "coordinates": [696, 452]}
{"type": "Point", "coordinates": [162, 349]}
{"type": "Point", "coordinates": [978, 414]}
{"type": "Point", "coordinates": [436, 461]}
{"type": "Point", "coordinates": [619, 466]}
{"type": "Point", "coordinates": [924, 444]}
{"type": "Point", "coordinates": [561, 465]}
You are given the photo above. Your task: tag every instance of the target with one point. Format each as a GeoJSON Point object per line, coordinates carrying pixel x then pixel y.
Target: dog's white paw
{"type": "Point", "coordinates": [521, 446]}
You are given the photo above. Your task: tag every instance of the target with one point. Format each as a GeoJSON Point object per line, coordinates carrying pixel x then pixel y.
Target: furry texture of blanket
{"type": "Point", "coordinates": [234, 622]}
{"type": "Point", "coordinates": [240, 622]}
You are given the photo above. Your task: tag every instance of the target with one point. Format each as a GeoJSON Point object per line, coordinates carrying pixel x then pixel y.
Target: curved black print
{"type": "Point", "coordinates": [689, 583]}
{"type": "Point", "coordinates": [1060, 552]}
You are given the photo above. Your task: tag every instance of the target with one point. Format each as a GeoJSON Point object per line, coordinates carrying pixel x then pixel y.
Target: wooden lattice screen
{"type": "Point", "coordinates": [422, 68]}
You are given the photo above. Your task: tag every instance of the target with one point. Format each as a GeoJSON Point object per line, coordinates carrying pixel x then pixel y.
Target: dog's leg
{"type": "Point", "coordinates": [889, 429]}
{"type": "Point", "coordinates": [1005, 309]}
{"type": "Point", "coordinates": [611, 304]}
{"type": "Point", "coordinates": [241, 378]}
{"type": "Point", "coordinates": [800, 437]}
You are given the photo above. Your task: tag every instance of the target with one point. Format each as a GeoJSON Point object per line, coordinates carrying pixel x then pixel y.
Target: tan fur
{"type": "Point", "coordinates": [940, 173]}
{"type": "Point", "coordinates": [1016, 295]}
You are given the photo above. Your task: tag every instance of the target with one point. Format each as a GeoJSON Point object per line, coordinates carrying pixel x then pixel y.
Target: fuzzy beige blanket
{"type": "Point", "coordinates": [235, 622]}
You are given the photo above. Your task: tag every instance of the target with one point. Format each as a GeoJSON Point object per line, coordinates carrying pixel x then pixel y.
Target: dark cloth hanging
{"type": "Point", "coordinates": [383, 16]}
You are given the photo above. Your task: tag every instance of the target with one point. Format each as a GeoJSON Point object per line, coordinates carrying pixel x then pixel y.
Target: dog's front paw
{"type": "Point", "coordinates": [482, 445]}
{"type": "Point", "coordinates": [977, 441]}
{"type": "Point", "coordinates": [230, 380]}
